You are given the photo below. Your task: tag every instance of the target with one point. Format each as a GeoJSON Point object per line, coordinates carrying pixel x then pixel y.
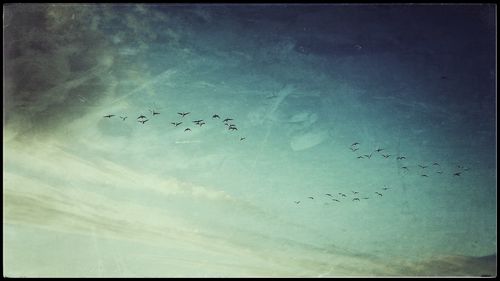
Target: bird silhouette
{"type": "Point", "coordinates": [182, 114]}
{"type": "Point", "coordinates": [215, 116]}
{"type": "Point", "coordinates": [201, 124]}
{"type": "Point", "coordinates": [368, 156]}
{"type": "Point", "coordinates": [404, 167]}
{"type": "Point", "coordinates": [385, 188]}
{"type": "Point", "coordinates": [143, 121]}
{"type": "Point", "coordinates": [176, 124]}
{"type": "Point", "coordinates": [355, 199]}
{"type": "Point", "coordinates": [424, 175]}
{"type": "Point", "coordinates": [227, 120]}
{"type": "Point", "coordinates": [378, 193]}
{"type": "Point", "coordinates": [109, 116]}
{"type": "Point", "coordinates": [187, 129]}
{"type": "Point", "coordinates": [379, 149]}
{"type": "Point", "coordinates": [242, 138]}
{"type": "Point", "coordinates": [335, 200]}
{"type": "Point", "coordinates": [310, 197]}
{"type": "Point", "coordinates": [123, 118]}
{"type": "Point", "coordinates": [354, 149]}
{"type": "Point", "coordinates": [342, 194]}
{"type": "Point", "coordinates": [457, 174]}
{"type": "Point", "coordinates": [423, 167]}
{"type": "Point", "coordinates": [198, 121]}
{"type": "Point", "coordinates": [435, 164]}
{"type": "Point", "coordinates": [356, 143]}
{"type": "Point", "coordinates": [141, 117]}
{"type": "Point", "coordinates": [360, 157]}
{"type": "Point", "coordinates": [154, 112]}
{"type": "Point", "coordinates": [328, 194]}
{"type": "Point", "coordinates": [439, 172]}
{"type": "Point", "coordinates": [233, 128]}
{"type": "Point", "coordinates": [386, 155]}
{"type": "Point", "coordinates": [354, 192]}
{"type": "Point", "coordinates": [296, 202]}
{"type": "Point", "coordinates": [401, 158]}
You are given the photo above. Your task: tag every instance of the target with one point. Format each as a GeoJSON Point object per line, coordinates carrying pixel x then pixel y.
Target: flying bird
{"type": "Point", "coordinates": [123, 118]}
{"type": "Point", "coordinates": [401, 158]}
{"type": "Point", "coordinates": [354, 192]}
{"type": "Point", "coordinates": [296, 202]}
{"type": "Point", "coordinates": [176, 124]}
{"type": "Point", "coordinates": [328, 194]}
{"type": "Point", "coordinates": [154, 112]}
{"type": "Point", "coordinates": [310, 197]}
{"type": "Point", "coordinates": [141, 117]}
{"type": "Point", "coordinates": [457, 174]}
{"type": "Point", "coordinates": [354, 149]}
{"type": "Point", "coordinates": [360, 157]}
{"type": "Point", "coordinates": [385, 188]}
{"type": "Point", "coordinates": [356, 143]}
{"type": "Point", "coordinates": [182, 114]}
{"type": "Point", "coordinates": [368, 156]}
{"type": "Point", "coordinates": [435, 164]}
{"type": "Point", "coordinates": [187, 129]}
{"type": "Point", "coordinates": [424, 175]}
{"type": "Point", "coordinates": [197, 121]}
{"type": "Point", "coordinates": [242, 138]}
{"type": "Point", "coordinates": [109, 116]}
{"type": "Point", "coordinates": [233, 128]}
{"type": "Point", "coordinates": [355, 199]}
{"type": "Point", "coordinates": [404, 167]}
{"type": "Point", "coordinates": [143, 121]}
{"type": "Point", "coordinates": [439, 172]}
{"type": "Point", "coordinates": [423, 167]}
{"type": "Point", "coordinates": [335, 200]}
{"type": "Point", "coordinates": [215, 116]}
{"type": "Point", "coordinates": [386, 155]}
{"type": "Point", "coordinates": [378, 193]}
{"type": "Point", "coordinates": [379, 149]}
{"type": "Point", "coordinates": [227, 120]}
{"type": "Point", "coordinates": [342, 194]}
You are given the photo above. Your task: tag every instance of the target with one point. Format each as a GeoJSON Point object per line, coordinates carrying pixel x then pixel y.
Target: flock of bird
{"type": "Point", "coordinates": [200, 122]}
{"type": "Point", "coordinates": [424, 170]}
{"type": "Point", "coordinates": [355, 197]}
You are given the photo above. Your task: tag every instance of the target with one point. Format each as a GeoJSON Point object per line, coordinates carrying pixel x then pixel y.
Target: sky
{"type": "Point", "coordinates": [362, 140]}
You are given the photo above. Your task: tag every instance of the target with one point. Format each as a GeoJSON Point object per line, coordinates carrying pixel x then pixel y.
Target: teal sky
{"type": "Point", "coordinates": [86, 195]}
